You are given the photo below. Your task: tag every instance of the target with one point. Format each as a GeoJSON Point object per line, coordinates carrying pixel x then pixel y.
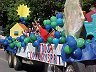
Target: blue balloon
{"type": "Point", "coordinates": [9, 38]}
{"type": "Point", "coordinates": [55, 41]}
{"type": "Point", "coordinates": [40, 39]}
{"type": "Point", "coordinates": [59, 21]}
{"type": "Point", "coordinates": [48, 27]}
{"type": "Point", "coordinates": [69, 38]}
{"type": "Point", "coordinates": [22, 37]}
{"type": "Point", "coordinates": [36, 44]}
{"type": "Point", "coordinates": [1, 41]}
{"type": "Point", "coordinates": [59, 15]}
{"type": "Point", "coordinates": [31, 33]}
{"type": "Point", "coordinates": [6, 42]}
{"type": "Point", "coordinates": [72, 43]}
{"type": "Point", "coordinates": [23, 22]}
{"type": "Point", "coordinates": [77, 54]}
{"type": "Point", "coordinates": [23, 44]}
{"type": "Point", "coordinates": [57, 34]}
{"type": "Point", "coordinates": [64, 56]}
{"type": "Point", "coordinates": [21, 18]}
{"type": "Point", "coordinates": [18, 38]}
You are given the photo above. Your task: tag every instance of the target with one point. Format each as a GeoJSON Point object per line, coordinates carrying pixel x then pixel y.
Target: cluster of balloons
{"type": "Point", "coordinates": [54, 21]}
{"type": "Point", "coordinates": [59, 38]}
{"type": "Point", "coordinates": [22, 41]}
{"type": "Point", "coordinates": [72, 48]}
{"type": "Point", "coordinates": [23, 20]}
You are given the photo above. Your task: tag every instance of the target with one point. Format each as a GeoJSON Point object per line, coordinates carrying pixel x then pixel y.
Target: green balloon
{"type": "Point", "coordinates": [62, 40]}
{"type": "Point", "coordinates": [48, 22]}
{"type": "Point", "coordinates": [33, 38]}
{"type": "Point", "coordinates": [25, 18]}
{"type": "Point", "coordinates": [80, 42]}
{"type": "Point", "coordinates": [67, 49]}
{"type": "Point", "coordinates": [12, 45]}
{"type": "Point", "coordinates": [50, 39]}
{"type": "Point", "coordinates": [13, 39]}
{"type": "Point", "coordinates": [45, 22]}
{"type": "Point", "coordinates": [18, 44]}
{"type": "Point", "coordinates": [9, 41]}
{"type": "Point", "coordinates": [63, 34]}
{"type": "Point", "coordinates": [27, 40]}
{"type": "Point", "coordinates": [53, 19]}
{"type": "Point", "coordinates": [53, 24]}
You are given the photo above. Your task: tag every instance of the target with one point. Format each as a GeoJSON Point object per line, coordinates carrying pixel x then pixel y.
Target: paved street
{"type": "Point", "coordinates": [4, 66]}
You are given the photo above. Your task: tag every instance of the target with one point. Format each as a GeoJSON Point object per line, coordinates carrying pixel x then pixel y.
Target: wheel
{"type": "Point", "coordinates": [17, 63]}
{"type": "Point", "coordinates": [10, 60]}
{"type": "Point", "coordinates": [91, 68]}
{"type": "Point", "coordinates": [42, 67]}
{"type": "Point", "coordinates": [57, 68]}
{"type": "Point", "coordinates": [76, 67]}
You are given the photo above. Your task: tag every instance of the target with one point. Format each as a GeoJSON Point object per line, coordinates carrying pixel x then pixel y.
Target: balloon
{"type": "Point", "coordinates": [1, 40]}
{"type": "Point", "coordinates": [48, 27]}
{"type": "Point", "coordinates": [57, 34]}
{"type": "Point", "coordinates": [62, 40]}
{"type": "Point", "coordinates": [67, 49]}
{"type": "Point", "coordinates": [36, 44]}
{"type": "Point", "coordinates": [13, 39]}
{"type": "Point", "coordinates": [31, 33]}
{"type": "Point", "coordinates": [18, 44]}
{"type": "Point", "coordinates": [6, 42]}
{"type": "Point", "coordinates": [48, 22]}
{"type": "Point", "coordinates": [22, 37]}
{"type": "Point", "coordinates": [62, 34]}
{"type": "Point", "coordinates": [50, 39]}
{"type": "Point", "coordinates": [33, 37]}
{"type": "Point", "coordinates": [11, 45]}
{"type": "Point", "coordinates": [72, 43]}
{"type": "Point", "coordinates": [77, 53]}
{"type": "Point", "coordinates": [9, 41]}
{"type": "Point", "coordinates": [55, 41]}
{"type": "Point", "coordinates": [9, 37]}
{"type": "Point", "coordinates": [45, 22]}
{"type": "Point", "coordinates": [53, 24]}
{"type": "Point", "coordinates": [23, 44]}
{"type": "Point", "coordinates": [59, 21]}
{"type": "Point", "coordinates": [23, 22]}
{"type": "Point", "coordinates": [40, 39]}
{"type": "Point", "coordinates": [18, 38]}
{"type": "Point", "coordinates": [59, 15]}
{"type": "Point", "coordinates": [53, 19]}
{"type": "Point", "coordinates": [69, 38]}
{"type": "Point", "coordinates": [80, 42]}
{"type": "Point", "coordinates": [21, 18]}
{"type": "Point", "coordinates": [25, 18]}
{"type": "Point", "coordinates": [26, 40]}
{"type": "Point", "coordinates": [63, 55]}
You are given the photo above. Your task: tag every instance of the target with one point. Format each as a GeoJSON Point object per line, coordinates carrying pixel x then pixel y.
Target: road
{"type": "Point", "coordinates": [5, 68]}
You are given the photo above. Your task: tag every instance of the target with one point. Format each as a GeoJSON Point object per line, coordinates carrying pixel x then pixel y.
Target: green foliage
{"type": "Point", "coordinates": [87, 4]}
{"type": "Point", "coordinates": [42, 9]}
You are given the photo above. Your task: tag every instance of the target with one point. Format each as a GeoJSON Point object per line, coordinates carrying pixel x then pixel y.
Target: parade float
{"type": "Point", "coordinates": [62, 40]}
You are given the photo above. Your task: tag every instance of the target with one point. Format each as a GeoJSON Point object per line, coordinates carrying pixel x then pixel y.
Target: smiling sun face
{"type": "Point", "coordinates": [23, 11]}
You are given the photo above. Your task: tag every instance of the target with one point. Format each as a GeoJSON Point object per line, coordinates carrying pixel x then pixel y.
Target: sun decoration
{"type": "Point", "coordinates": [23, 11]}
